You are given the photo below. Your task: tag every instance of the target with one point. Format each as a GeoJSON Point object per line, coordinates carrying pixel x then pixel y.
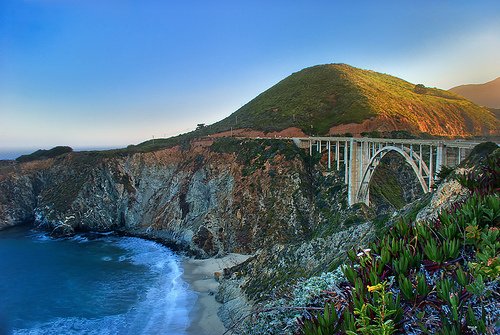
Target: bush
{"type": "Point", "coordinates": [420, 89]}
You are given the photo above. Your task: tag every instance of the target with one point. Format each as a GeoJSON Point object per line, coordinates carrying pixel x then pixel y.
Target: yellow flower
{"type": "Point", "coordinates": [374, 288]}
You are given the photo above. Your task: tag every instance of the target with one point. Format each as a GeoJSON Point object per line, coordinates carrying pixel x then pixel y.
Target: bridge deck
{"type": "Point", "coordinates": [448, 143]}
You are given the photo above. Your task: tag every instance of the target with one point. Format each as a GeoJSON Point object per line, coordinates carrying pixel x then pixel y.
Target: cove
{"type": "Point", "coordinates": [90, 283]}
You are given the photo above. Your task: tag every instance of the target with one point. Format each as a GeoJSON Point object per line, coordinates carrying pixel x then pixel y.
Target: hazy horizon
{"type": "Point", "coordinates": [109, 74]}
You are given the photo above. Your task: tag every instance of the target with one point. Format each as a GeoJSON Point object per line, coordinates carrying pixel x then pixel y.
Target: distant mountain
{"type": "Point", "coordinates": [495, 111]}
{"type": "Point", "coordinates": [338, 98]}
{"type": "Point", "coordinates": [487, 94]}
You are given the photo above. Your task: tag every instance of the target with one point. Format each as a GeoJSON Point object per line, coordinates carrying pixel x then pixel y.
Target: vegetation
{"type": "Point", "coordinates": [256, 149]}
{"type": "Point", "coordinates": [67, 186]}
{"type": "Point", "coordinates": [317, 98]}
{"type": "Point", "coordinates": [386, 187]}
{"type": "Point", "coordinates": [253, 154]}
{"type": "Point", "coordinates": [432, 277]}
{"type": "Point", "coordinates": [420, 89]}
{"type": "Point", "coordinates": [313, 99]}
{"type": "Point", "coordinates": [438, 277]}
{"type": "Point", "coordinates": [182, 140]}
{"type": "Point", "coordinates": [44, 154]}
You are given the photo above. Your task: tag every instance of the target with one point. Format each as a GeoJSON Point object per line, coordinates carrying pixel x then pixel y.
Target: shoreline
{"type": "Point", "coordinates": [199, 274]}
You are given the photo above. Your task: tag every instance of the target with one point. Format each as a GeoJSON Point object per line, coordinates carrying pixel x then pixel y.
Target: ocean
{"type": "Point", "coordinates": [90, 284]}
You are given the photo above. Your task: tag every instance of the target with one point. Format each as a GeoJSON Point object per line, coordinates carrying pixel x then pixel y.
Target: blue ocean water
{"type": "Point", "coordinates": [13, 154]}
{"type": "Point", "coordinates": [90, 284]}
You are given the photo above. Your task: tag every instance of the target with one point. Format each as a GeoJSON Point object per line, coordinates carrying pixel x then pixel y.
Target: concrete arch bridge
{"type": "Point", "coordinates": [359, 158]}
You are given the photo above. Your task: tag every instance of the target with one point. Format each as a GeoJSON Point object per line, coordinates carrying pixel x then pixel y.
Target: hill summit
{"type": "Point", "coordinates": [338, 99]}
{"type": "Point", "coordinates": [487, 94]}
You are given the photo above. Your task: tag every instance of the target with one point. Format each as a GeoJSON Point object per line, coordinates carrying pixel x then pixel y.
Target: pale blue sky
{"type": "Point", "coordinates": [96, 73]}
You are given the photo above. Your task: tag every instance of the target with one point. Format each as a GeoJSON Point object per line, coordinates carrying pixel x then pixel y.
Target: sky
{"type": "Point", "coordinates": [108, 73]}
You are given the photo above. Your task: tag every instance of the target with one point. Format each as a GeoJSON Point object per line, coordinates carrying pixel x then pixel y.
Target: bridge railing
{"type": "Point", "coordinates": [448, 143]}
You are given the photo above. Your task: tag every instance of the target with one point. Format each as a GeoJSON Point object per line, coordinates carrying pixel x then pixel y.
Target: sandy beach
{"type": "Point", "coordinates": [199, 274]}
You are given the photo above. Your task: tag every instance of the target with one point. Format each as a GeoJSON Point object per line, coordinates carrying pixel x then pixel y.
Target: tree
{"type": "Point", "coordinates": [420, 89]}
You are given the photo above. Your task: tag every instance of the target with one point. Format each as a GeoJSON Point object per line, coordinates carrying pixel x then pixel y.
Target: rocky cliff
{"type": "Point", "coordinates": [208, 199]}
{"type": "Point", "coordinates": [262, 197]}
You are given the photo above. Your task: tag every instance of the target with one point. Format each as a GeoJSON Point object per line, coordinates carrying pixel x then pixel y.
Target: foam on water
{"type": "Point", "coordinates": [170, 297]}
{"type": "Point", "coordinates": [79, 239]}
{"type": "Point", "coordinates": [37, 236]}
{"type": "Point", "coordinates": [163, 308]}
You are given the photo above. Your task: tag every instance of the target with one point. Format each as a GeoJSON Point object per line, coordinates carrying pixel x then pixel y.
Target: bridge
{"type": "Point", "coordinates": [359, 157]}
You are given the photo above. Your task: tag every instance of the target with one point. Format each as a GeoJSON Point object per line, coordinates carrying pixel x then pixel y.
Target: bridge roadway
{"type": "Point", "coordinates": [359, 157]}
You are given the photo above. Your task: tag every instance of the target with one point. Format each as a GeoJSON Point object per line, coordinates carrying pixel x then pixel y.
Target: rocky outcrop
{"type": "Point", "coordinates": [273, 270]}
{"type": "Point", "coordinates": [17, 200]}
{"type": "Point", "coordinates": [448, 193]}
{"type": "Point", "coordinates": [451, 192]}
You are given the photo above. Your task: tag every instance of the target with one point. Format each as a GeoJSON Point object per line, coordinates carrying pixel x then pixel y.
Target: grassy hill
{"type": "Point", "coordinates": [487, 94]}
{"type": "Point", "coordinates": [318, 98]}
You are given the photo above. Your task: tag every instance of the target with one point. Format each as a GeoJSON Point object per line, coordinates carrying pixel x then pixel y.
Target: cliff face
{"type": "Point", "coordinates": [233, 196]}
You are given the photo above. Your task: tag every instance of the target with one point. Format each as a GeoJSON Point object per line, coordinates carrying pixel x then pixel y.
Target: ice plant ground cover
{"type": "Point", "coordinates": [434, 277]}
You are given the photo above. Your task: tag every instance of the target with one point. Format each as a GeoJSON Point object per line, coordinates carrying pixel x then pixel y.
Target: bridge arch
{"type": "Point", "coordinates": [412, 158]}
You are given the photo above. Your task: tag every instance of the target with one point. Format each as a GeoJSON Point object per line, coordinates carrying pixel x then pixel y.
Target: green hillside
{"type": "Point", "coordinates": [320, 96]}
{"type": "Point", "coordinates": [317, 98]}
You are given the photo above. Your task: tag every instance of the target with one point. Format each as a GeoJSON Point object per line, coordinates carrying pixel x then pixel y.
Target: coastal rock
{"type": "Point", "coordinates": [262, 277]}
{"type": "Point", "coordinates": [448, 193]}
{"type": "Point", "coordinates": [235, 305]}
{"type": "Point", "coordinates": [17, 200]}
{"type": "Point", "coordinates": [236, 196]}
{"type": "Point", "coordinates": [56, 228]}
